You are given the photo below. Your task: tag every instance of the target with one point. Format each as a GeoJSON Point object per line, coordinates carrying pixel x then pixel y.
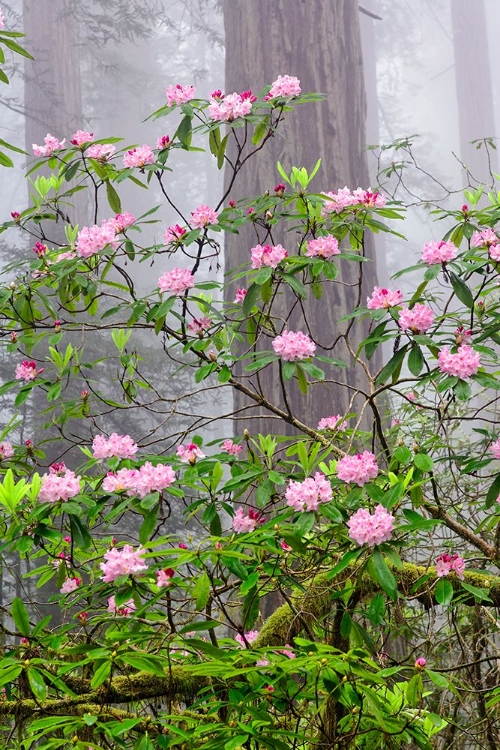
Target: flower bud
{"type": "Point", "coordinates": [420, 663]}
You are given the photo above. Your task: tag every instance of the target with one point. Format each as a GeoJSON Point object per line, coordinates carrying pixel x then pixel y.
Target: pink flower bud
{"type": "Point", "coordinates": [420, 663]}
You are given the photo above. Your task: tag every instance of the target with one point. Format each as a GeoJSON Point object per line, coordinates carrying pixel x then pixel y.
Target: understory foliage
{"type": "Point", "coordinates": [334, 589]}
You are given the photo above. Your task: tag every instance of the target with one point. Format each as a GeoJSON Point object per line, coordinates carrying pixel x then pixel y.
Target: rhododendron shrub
{"type": "Point", "coordinates": [377, 521]}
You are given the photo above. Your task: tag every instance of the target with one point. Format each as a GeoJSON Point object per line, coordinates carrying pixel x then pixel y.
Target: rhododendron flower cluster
{"type": "Point", "coordinates": [495, 448]}
{"type": "Point", "coordinates": [240, 296]}
{"type": "Point", "coordinates": [323, 247]}
{"type": "Point", "coordinates": [123, 479]}
{"type": "Point", "coordinates": [294, 345]}
{"type": "Point", "coordinates": [267, 255]}
{"type": "Point", "coordinates": [484, 238]}
{"type": "Point", "coordinates": [125, 609]}
{"type": "Point", "coordinates": [139, 156]}
{"type": "Point", "coordinates": [199, 325]}
{"type": "Point", "coordinates": [243, 524]}
{"type": "Point", "coordinates": [189, 453]}
{"type": "Point", "coordinates": [26, 370]}
{"type": "Point", "coordinates": [383, 298]}
{"type": "Point", "coordinates": [51, 144]}
{"type": "Point", "coordinates": [59, 484]}
{"type": "Point", "coordinates": [463, 364]}
{"type": "Point", "coordinates": [123, 561]}
{"type": "Point", "coordinates": [101, 151]}
{"type": "Point", "coordinates": [417, 320]}
{"type": "Point", "coordinates": [284, 86]}
{"type": "Point", "coordinates": [151, 478]}
{"type": "Point", "coordinates": [174, 234]}
{"type": "Point", "coordinates": [249, 638]}
{"type": "Point", "coordinates": [91, 240]}
{"type": "Point", "coordinates": [81, 137]}
{"type": "Point", "coordinates": [164, 577]}
{"type": "Point", "coordinates": [344, 198]}
{"type": "Point", "coordinates": [121, 446]}
{"type": "Point", "coordinates": [371, 529]}
{"type": "Point", "coordinates": [177, 280]}
{"type": "Point", "coordinates": [308, 494]}
{"type": "Point", "coordinates": [439, 252]}
{"type": "Point", "coordinates": [358, 469]}
{"type": "Point", "coordinates": [446, 564]}
{"type": "Point", "coordinates": [232, 448]}
{"type": "Point", "coordinates": [122, 221]}
{"type": "Point", "coordinates": [203, 216]}
{"type": "Point", "coordinates": [228, 108]}
{"type": "Point", "coordinates": [180, 94]}
{"type": "Point", "coordinates": [70, 585]}
{"type": "Point", "coordinates": [336, 422]}
{"type": "Point", "coordinates": [6, 450]}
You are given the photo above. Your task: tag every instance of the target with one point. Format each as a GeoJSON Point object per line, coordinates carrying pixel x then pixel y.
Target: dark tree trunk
{"type": "Point", "coordinates": [476, 117]}
{"type": "Point", "coordinates": [319, 42]}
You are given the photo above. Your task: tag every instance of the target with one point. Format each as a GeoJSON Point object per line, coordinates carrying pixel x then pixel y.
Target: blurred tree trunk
{"type": "Point", "coordinates": [319, 42]}
{"type": "Point", "coordinates": [52, 88]}
{"type": "Point", "coordinates": [476, 117]}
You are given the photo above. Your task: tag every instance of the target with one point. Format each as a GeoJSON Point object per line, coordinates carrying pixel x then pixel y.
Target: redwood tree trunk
{"type": "Point", "coordinates": [319, 42]}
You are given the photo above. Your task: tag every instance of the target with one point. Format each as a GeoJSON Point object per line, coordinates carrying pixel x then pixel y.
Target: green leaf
{"type": "Point", "coordinates": [113, 198]}
{"type": "Point", "coordinates": [415, 360]}
{"type": "Point", "coordinates": [250, 609]}
{"type": "Point", "coordinates": [493, 492]}
{"type": "Point", "coordinates": [259, 133]}
{"type": "Point", "coordinates": [5, 160]}
{"type": "Point", "coordinates": [201, 591]}
{"type": "Point", "coordinates": [251, 297]}
{"type": "Point", "coordinates": [101, 674]}
{"type": "Point", "coordinates": [392, 366]}
{"type": "Point", "coordinates": [479, 594]}
{"type": "Point", "coordinates": [16, 47]}
{"type": "Point", "coordinates": [443, 592]}
{"type": "Point", "coordinates": [382, 575]}
{"type": "Point", "coordinates": [20, 617]}
{"type": "Point", "coordinates": [462, 390]}
{"type": "Point", "coordinates": [37, 684]}
{"type": "Point", "coordinates": [224, 375]}
{"type": "Point", "coordinates": [148, 526]}
{"type": "Point", "coordinates": [461, 290]}
{"type": "Point", "coordinates": [185, 131]}
{"type": "Point", "coordinates": [297, 286]}
{"type": "Point", "coordinates": [423, 462]}
{"type": "Point", "coordinates": [376, 610]}
{"type": "Point", "coordinates": [302, 380]}
{"type": "Point", "coordinates": [79, 532]}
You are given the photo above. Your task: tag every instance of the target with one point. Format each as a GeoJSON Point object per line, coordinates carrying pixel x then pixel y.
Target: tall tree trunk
{"type": "Point", "coordinates": [476, 117]}
{"type": "Point", "coordinates": [319, 42]}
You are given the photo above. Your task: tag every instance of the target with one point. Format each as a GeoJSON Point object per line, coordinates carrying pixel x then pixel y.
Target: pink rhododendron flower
{"type": "Point", "coordinates": [376, 199]}
{"type": "Point", "coordinates": [243, 524]}
{"type": "Point", "coordinates": [81, 137]}
{"type": "Point", "coordinates": [60, 484]}
{"type": "Point", "coordinates": [446, 564]}
{"type": "Point", "coordinates": [189, 453]}
{"type": "Point", "coordinates": [284, 86]}
{"type": "Point", "coordinates": [179, 94]}
{"type": "Point", "coordinates": [462, 336]}
{"type": "Point", "coordinates": [69, 585]}
{"type": "Point", "coordinates": [125, 609]}
{"type": "Point", "coordinates": [267, 255]}
{"type": "Point", "coordinates": [123, 479]}
{"type": "Point", "coordinates": [203, 216]}
{"type": "Point", "coordinates": [101, 151]}
{"type": "Point", "coordinates": [199, 325]}
{"type": "Point", "coordinates": [323, 247]}
{"type": "Point", "coordinates": [164, 577]}
{"type": "Point", "coordinates": [163, 142]}
{"type": "Point", "coordinates": [51, 145]}
{"type": "Point", "coordinates": [122, 221]}
{"type": "Point", "coordinates": [91, 240]}
{"type": "Point", "coordinates": [2, 20]}
{"type": "Point", "coordinates": [139, 156]}
{"type": "Point", "coordinates": [228, 108]}
{"type": "Point", "coordinates": [340, 200]}
{"type": "Point", "coordinates": [124, 561]}
{"type": "Point", "coordinates": [336, 422]}
{"type": "Point", "coordinates": [151, 478]}
{"type": "Point", "coordinates": [463, 364]}
{"type": "Point", "coordinates": [383, 298]}
{"type": "Point", "coordinates": [417, 320]}
{"type": "Point", "coordinates": [495, 448]}
{"type": "Point", "coordinates": [287, 652]}
{"type": "Point", "coordinates": [178, 280]}
{"type": "Point", "coordinates": [439, 252]}
{"type": "Point", "coordinates": [308, 494]}
{"type": "Point", "coordinates": [250, 637]}
{"type": "Point", "coordinates": [494, 252]}
{"type": "Point", "coordinates": [293, 345]}
{"type": "Point", "coordinates": [26, 370]}
{"type": "Point", "coordinates": [484, 238]}
{"type": "Point", "coordinates": [369, 529]}
{"type": "Point", "coordinates": [69, 255]}
{"type": "Point", "coordinates": [121, 446]}
{"type": "Point", "coordinates": [232, 448]}
{"type": "Point", "coordinates": [358, 469]}
{"type": "Point", "coordinates": [284, 546]}
{"type": "Point", "coordinates": [6, 450]}
{"type": "Point", "coordinates": [174, 234]}
{"type": "Point", "coordinates": [40, 249]}
{"type": "Point", "coordinates": [240, 296]}
{"type": "Point", "coordinates": [420, 663]}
